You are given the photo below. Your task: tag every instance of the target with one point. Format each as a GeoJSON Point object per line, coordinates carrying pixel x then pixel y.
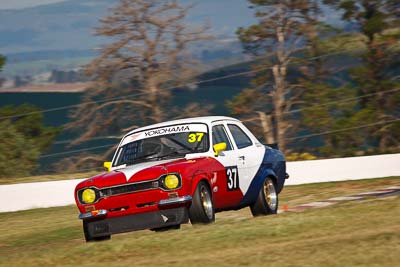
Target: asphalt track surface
{"type": "Point", "coordinates": [379, 193]}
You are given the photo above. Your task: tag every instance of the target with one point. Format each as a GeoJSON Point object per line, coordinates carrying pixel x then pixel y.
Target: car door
{"type": "Point", "coordinates": [230, 193]}
{"type": "Point", "coordinates": [250, 152]}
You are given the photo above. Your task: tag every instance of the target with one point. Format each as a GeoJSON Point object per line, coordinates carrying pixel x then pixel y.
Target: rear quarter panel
{"type": "Point", "coordinates": [273, 165]}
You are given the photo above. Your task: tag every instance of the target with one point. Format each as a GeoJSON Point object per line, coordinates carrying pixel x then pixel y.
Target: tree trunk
{"type": "Point", "coordinates": [279, 72]}
{"type": "Point", "coordinates": [266, 123]}
{"type": "Point", "coordinates": [279, 101]}
{"type": "Point", "coordinates": [156, 115]}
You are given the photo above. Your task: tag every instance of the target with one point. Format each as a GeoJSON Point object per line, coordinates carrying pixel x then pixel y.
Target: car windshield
{"type": "Point", "coordinates": [162, 146]}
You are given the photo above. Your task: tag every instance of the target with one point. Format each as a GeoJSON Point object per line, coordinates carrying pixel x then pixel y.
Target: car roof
{"type": "Point", "coordinates": [205, 119]}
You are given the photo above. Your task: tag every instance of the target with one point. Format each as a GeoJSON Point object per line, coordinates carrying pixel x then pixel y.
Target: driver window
{"type": "Point", "coordinates": [219, 135]}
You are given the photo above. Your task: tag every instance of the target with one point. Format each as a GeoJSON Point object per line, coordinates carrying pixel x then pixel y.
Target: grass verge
{"type": "Point", "coordinates": [47, 178]}
{"type": "Point", "coordinates": [361, 233]}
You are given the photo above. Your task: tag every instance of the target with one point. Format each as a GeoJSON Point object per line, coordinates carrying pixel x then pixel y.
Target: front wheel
{"type": "Point", "coordinates": [90, 238]}
{"type": "Point", "coordinates": [267, 200]}
{"type": "Point", "coordinates": [202, 208]}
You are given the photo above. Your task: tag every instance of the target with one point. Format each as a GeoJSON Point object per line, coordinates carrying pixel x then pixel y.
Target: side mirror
{"type": "Point", "coordinates": [218, 148]}
{"type": "Point", "coordinates": [107, 165]}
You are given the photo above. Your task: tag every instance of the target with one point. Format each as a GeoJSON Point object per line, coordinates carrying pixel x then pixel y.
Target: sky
{"type": "Point", "coordinates": [16, 4]}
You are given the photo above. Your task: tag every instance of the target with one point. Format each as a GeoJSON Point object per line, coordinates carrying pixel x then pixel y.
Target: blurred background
{"type": "Point", "coordinates": [320, 78]}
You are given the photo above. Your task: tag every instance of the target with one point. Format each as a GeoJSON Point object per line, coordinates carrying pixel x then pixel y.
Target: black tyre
{"type": "Point", "coordinates": [202, 208]}
{"type": "Point", "coordinates": [167, 228]}
{"type": "Point", "coordinates": [267, 200]}
{"type": "Point", "coordinates": [90, 238]}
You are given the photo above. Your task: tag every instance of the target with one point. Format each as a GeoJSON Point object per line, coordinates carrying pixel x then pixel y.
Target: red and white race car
{"type": "Point", "coordinates": [165, 174]}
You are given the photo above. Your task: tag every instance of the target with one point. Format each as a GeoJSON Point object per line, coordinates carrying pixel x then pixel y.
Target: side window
{"type": "Point", "coordinates": [241, 139]}
{"type": "Point", "coordinates": [219, 135]}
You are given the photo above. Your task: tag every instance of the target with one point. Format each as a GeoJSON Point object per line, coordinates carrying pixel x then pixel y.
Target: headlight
{"type": "Point", "coordinates": [88, 196]}
{"type": "Point", "coordinates": [171, 181]}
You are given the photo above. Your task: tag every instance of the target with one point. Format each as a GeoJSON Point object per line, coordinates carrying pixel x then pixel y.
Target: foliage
{"type": "Point", "coordinates": [2, 62]}
{"type": "Point", "coordinates": [281, 26]}
{"type": "Point", "coordinates": [343, 101]}
{"type": "Point", "coordinates": [322, 109]}
{"type": "Point", "coordinates": [24, 139]}
{"type": "Point", "coordinates": [300, 156]}
{"type": "Point", "coordinates": [18, 155]}
{"type": "Point", "coordinates": [378, 74]}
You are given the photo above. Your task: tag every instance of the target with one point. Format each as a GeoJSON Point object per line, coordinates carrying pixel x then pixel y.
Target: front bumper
{"type": "Point", "coordinates": [163, 204]}
{"type": "Point", "coordinates": [171, 211]}
{"type": "Point", "coordinates": [141, 221]}
{"type": "Point", "coordinates": [175, 202]}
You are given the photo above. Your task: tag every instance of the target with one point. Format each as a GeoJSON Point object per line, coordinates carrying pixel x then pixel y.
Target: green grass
{"type": "Point", "coordinates": [363, 233]}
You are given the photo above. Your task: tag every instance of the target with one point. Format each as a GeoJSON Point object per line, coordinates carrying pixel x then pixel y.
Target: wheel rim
{"type": "Point", "coordinates": [270, 194]}
{"type": "Point", "coordinates": [206, 202]}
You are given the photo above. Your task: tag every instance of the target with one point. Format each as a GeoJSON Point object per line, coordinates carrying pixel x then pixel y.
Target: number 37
{"type": "Point", "coordinates": [232, 178]}
{"type": "Point", "coordinates": [195, 137]}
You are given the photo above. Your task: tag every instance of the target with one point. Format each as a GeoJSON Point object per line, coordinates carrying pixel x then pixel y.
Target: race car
{"type": "Point", "coordinates": [166, 174]}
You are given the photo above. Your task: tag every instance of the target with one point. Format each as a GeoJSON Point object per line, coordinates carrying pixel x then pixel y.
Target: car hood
{"type": "Point", "coordinates": [144, 171]}
{"type": "Point", "coordinates": [152, 169]}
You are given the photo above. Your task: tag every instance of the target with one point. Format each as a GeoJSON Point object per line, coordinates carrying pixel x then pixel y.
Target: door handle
{"type": "Point", "coordinates": [242, 157]}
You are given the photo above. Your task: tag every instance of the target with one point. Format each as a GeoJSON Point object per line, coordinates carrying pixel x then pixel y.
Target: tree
{"type": "Point", "coordinates": [148, 54]}
{"type": "Point", "coordinates": [321, 108]}
{"type": "Point", "coordinates": [275, 39]}
{"type": "Point", "coordinates": [24, 139]}
{"type": "Point", "coordinates": [379, 24]}
{"type": "Point", "coordinates": [2, 62]}
{"type": "Point", "coordinates": [18, 156]}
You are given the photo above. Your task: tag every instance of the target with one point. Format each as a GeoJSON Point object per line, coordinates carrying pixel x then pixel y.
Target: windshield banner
{"type": "Point", "coordinates": [195, 127]}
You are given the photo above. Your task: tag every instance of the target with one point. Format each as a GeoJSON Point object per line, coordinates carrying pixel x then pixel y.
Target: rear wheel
{"type": "Point", "coordinates": [267, 200]}
{"type": "Point", "coordinates": [202, 208]}
{"type": "Point", "coordinates": [90, 238]}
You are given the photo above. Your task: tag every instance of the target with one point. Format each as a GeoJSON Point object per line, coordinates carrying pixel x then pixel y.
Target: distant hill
{"type": "Point", "coordinates": [69, 25]}
{"type": "Point", "coordinates": [60, 35]}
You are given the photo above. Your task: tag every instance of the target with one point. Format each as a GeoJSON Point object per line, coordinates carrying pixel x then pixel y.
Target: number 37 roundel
{"type": "Point", "coordinates": [232, 178]}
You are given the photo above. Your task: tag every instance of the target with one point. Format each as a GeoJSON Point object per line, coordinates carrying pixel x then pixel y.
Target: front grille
{"type": "Point", "coordinates": [129, 188]}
